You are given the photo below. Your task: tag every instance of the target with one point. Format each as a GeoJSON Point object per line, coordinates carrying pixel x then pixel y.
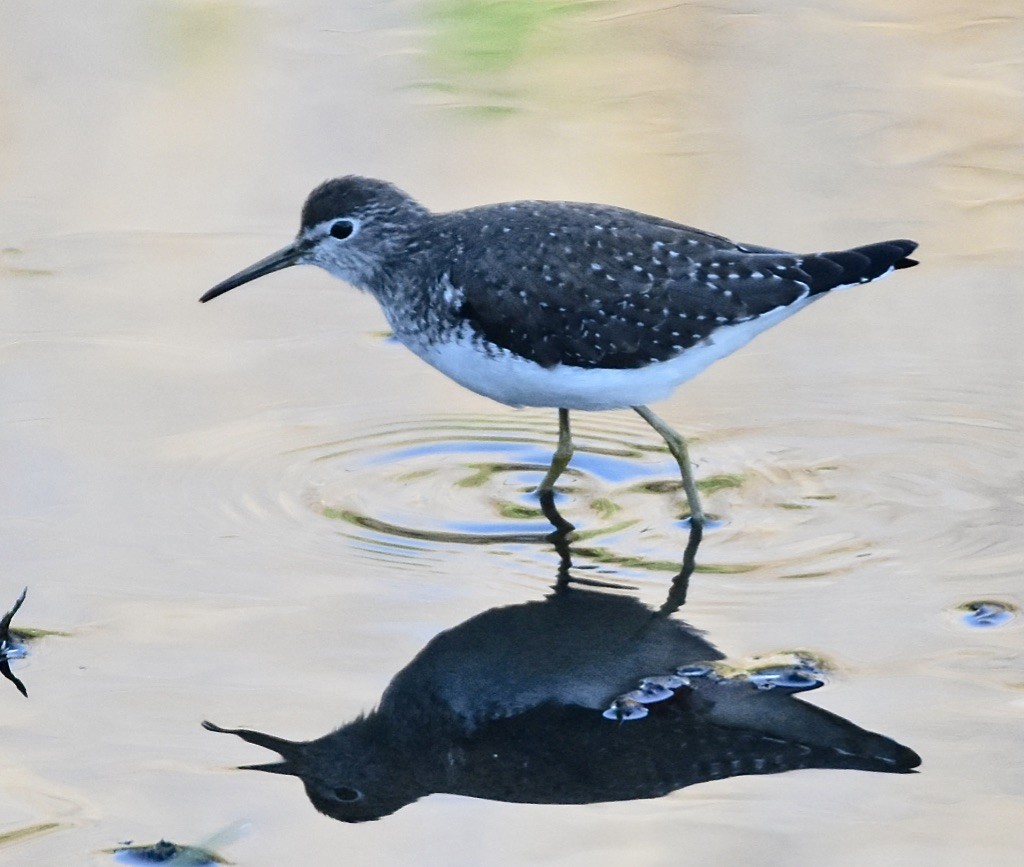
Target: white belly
{"type": "Point", "coordinates": [514, 381]}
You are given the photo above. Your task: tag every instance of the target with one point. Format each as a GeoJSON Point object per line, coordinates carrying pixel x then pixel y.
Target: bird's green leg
{"type": "Point", "coordinates": [562, 456]}
{"type": "Point", "coordinates": [546, 490]}
{"type": "Point", "coordinates": [677, 445]}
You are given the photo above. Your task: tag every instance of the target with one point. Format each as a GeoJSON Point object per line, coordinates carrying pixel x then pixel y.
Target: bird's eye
{"type": "Point", "coordinates": [342, 229]}
{"type": "Point", "coordinates": [345, 794]}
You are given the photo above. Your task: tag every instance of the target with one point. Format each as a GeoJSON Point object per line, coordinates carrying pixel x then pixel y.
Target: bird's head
{"type": "Point", "coordinates": [353, 774]}
{"type": "Point", "coordinates": [350, 225]}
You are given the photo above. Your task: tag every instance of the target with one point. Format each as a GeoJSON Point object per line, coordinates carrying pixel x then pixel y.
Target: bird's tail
{"type": "Point", "coordinates": [859, 265]}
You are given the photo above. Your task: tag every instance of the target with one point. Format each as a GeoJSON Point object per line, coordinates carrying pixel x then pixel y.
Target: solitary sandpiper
{"type": "Point", "coordinates": [561, 304]}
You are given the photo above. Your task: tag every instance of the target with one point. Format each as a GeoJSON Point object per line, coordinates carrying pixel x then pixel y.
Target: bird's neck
{"type": "Point", "coordinates": [409, 286]}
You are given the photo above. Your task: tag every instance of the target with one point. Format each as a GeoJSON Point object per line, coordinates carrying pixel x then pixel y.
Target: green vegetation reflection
{"type": "Point", "coordinates": [487, 36]}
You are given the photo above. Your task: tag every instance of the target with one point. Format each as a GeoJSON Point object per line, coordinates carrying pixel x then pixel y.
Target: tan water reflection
{"type": "Point", "coordinates": [165, 469]}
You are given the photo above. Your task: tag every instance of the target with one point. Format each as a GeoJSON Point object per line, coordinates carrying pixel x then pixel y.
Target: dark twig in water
{"type": "Point", "coordinates": [6, 643]}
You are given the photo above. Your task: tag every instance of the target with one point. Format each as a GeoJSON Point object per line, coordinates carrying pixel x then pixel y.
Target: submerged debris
{"type": "Point", "coordinates": [786, 672]}
{"type": "Point", "coordinates": [986, 613]}
{"type": "Point", "coordinates": [166, 852]}
{"type": "Point", "coordinates": [625, 708]}
{"type": "Point", "coordinates": [9, 647]}
{"type": "Point", "coordinates": [790, 671]}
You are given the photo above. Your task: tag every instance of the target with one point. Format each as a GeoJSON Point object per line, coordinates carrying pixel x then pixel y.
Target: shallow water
{"type": "Point", "coordinates": [258, 511]}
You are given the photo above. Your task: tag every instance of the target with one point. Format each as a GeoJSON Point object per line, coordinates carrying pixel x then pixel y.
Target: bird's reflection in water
{"type": "Point", "coordinates": [584, 696]}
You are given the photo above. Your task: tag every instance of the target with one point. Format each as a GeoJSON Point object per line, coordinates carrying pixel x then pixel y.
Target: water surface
{"type": "Point", "coordinates": [258, 511]}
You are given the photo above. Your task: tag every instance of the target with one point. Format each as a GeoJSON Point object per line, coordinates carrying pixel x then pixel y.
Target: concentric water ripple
{"type": "Point", "coordinates": [417, 488]}
{"type": "Point", "coordinates": [450, 481]}
{"type": "Point", "coordinates": [791, 502]}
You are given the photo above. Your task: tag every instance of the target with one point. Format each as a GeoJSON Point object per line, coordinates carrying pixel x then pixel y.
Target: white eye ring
{"type": "Point", "coordinates": [342, 229]}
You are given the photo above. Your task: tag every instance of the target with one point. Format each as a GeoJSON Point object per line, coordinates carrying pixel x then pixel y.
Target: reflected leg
{"type": "Point", "coordinates": [550, 510]}
{"type": "Point", "coordinates": [681, 583]}
{"type": "Point", "coordinates": [677, 445]}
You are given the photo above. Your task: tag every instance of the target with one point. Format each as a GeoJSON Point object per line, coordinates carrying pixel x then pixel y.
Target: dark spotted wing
{"type": "Point", "coordinates": [593, 286]}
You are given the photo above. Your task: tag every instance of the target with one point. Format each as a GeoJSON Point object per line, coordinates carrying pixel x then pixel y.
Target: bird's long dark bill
{"type": "Point", "coordinates": [274, 262]}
